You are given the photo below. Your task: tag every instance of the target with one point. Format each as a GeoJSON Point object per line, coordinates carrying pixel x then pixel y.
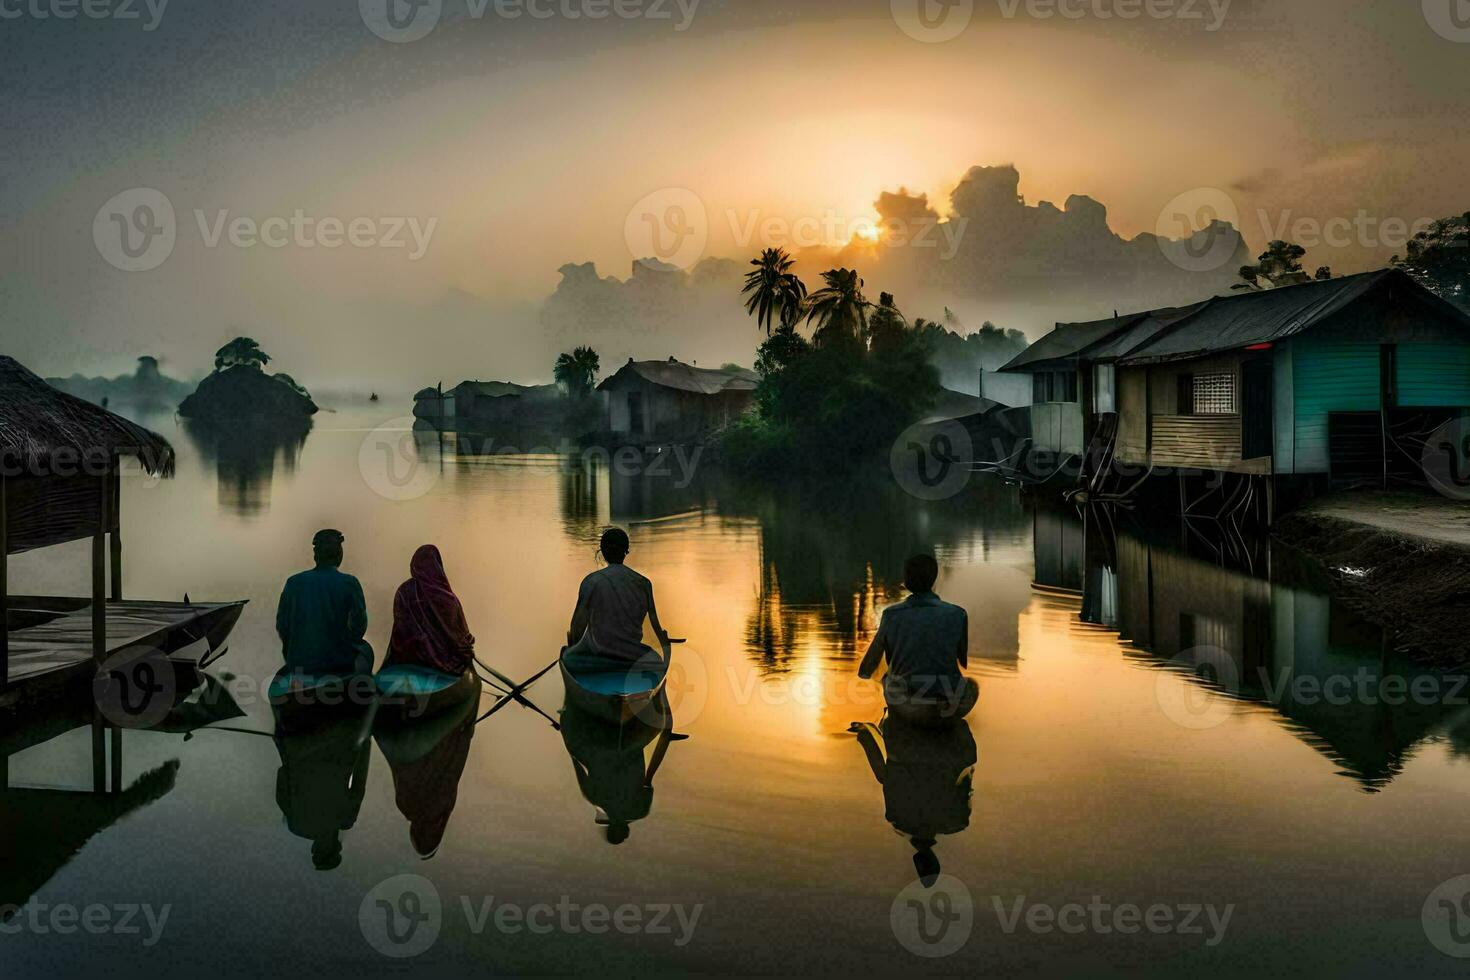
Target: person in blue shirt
{"type": "Point", "coordinates": [322, 616]}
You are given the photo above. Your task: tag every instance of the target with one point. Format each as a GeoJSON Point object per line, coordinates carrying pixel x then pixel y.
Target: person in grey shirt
{"type": "Point", "coordinates": [926, 642]}
{"type": "Point", "coordinates": [612, 604]}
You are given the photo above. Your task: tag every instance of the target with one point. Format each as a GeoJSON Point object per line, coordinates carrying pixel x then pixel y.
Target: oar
{"type": "Point", "coordinates": [515, 693]}
{"type": "Point", "coordinates": [510, 690]}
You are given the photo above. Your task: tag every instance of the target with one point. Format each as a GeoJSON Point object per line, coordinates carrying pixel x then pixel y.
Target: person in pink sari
{"type": "Point", "coordinates": [429, 628]}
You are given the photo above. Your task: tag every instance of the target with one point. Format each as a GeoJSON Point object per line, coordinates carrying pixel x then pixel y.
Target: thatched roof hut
{"type": "Point", "coordinates": [43, 430]}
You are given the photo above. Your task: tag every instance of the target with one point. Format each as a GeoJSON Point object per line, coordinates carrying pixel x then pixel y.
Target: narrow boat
{"type": "Point", "coordinates": [614, 692]}
{"type": "Point", "coordinates": [928, 711]}
{"type": "Point", "coordinates": [409, 693]}
{"type": "Point", "coordinates": [302, 701]}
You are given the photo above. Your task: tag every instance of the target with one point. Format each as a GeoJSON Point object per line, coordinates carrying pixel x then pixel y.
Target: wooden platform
{"type": "Point", "coordinates": [49, 634]}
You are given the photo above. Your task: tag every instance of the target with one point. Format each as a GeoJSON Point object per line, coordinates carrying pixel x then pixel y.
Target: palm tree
{"type": "Point", "coordinates": [577, 371]}
{"type": "Point", "coordinates": [774, 292]}
{"type": "Point", "coordinates": [840, 311]}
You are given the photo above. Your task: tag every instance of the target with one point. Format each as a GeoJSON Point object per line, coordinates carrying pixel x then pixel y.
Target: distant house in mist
{"type": "Point", "coordinates": [488, 406]}
{"type": "Point", "coordinates": [669, 401]}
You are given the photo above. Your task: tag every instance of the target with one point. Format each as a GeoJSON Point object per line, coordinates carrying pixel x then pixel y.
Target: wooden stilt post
{"type": "Point", "coordinates": [114, 516]}
{"type": "Point", "coordinates": [99, 633]}
{"type": "Point", "coordinates": [4, 590]}
{"type": "Point", "coordinates": [116, 760]}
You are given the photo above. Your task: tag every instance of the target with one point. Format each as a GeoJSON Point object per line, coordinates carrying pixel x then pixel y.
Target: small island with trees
{"type": "Point", "coordinates": [239, 387]}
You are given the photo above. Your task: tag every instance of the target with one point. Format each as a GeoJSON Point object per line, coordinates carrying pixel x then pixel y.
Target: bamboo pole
{"type": "Point", "coordinates": [99, 580]}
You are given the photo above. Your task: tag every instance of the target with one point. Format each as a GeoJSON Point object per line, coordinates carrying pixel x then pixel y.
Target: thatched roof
{"type": "Point", "coordinates": [40, 425]}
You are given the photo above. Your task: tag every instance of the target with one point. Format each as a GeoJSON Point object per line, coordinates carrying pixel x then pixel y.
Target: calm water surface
{"type": "Point", "coordinates": [1099, 766]}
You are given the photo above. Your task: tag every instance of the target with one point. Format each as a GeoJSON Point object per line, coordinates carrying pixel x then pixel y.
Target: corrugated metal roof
{"type": "Point", "coordinates": [1144, 328]}
{"type": "Point", "coordinates": [1067, 341]}
{"type": "Point", "coordinates": [1247, 318]}
{"type": "Point", "coordinates": [957, 405]}
{"type": "Point", "coordinates": [687, 377]}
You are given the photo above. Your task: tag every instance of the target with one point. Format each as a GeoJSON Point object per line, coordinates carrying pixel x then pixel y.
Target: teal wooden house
{"type": "Point", "coordinates": [1339, 381]}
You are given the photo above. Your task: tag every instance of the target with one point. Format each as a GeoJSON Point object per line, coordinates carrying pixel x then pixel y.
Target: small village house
{"type": "Point", "coordinates": [669, 401]}
{"type": "Point", "coordinates": [486, 406]}
{"type": "Point", "coordinates": [61, 460]}
{"type": "Point", "coordinates": [1336, 381]}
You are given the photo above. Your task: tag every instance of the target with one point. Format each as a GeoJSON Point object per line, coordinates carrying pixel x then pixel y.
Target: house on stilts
{"type": "Point", "coordinates": [1335, 382]}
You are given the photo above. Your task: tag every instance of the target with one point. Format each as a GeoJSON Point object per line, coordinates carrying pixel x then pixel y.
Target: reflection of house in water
{"type": "Point", "coordinates": [1273, 639]}
{"type": "Point", "coordinates": [245, 455]}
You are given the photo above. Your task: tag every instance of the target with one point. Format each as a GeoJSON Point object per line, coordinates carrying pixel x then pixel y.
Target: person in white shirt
{"type": "Point", "coordinates": [613, 603]}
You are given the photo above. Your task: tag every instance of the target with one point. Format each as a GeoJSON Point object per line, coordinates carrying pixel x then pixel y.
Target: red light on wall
{"type": "Point", "coordinates": [1259, 347]}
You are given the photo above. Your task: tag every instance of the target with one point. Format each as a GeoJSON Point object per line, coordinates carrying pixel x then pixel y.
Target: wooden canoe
{"type": "Point", "coordinates": [302, 701]}
{"type": "Point", "coordinates": [930, 712]}
{"type": "Point", "coordinates": [615, 691]}
{"type": "Point", "coordinates": [410, 693]}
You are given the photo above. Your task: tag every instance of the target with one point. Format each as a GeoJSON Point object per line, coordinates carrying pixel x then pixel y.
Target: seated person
{"type": "Point", "coordinates": [322, 616]}
{"type": "Point", "coordinates": [926, 642]}
{"type": "Point", "coordinates": [612, 604]}
{"type": "Point", "coordinates": [429, 628]}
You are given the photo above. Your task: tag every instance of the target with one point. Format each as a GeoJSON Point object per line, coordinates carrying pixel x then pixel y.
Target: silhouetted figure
{"type": "Point", "coordinates": [926, 775]}
{"type": "Point", "coordinates": [321, 784]}
{"type": "Point", "coordinates": [926, 642]}
{"type": "Point", "coordinates": [322, 616]}
{"type": "Point", "coordinates": [610, 767]}
{"type": "Point", "coordinates": [426, 779]}
{"type": "Point", "coordinates": [613, 602]}
{"type": "Point", "coordinates": [429, 628]}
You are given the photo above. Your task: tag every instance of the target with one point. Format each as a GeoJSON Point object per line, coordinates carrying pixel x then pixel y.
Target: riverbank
{"type": "Point", "coordinates": [1400, 558]}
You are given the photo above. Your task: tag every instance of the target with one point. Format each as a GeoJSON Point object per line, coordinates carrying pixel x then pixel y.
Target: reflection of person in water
{"type": "Point", "coordinates": [613, 602]}
{"type": "Point", "coordinates": [926, 775]}
{"type": "Point", "coordinates": [320, 786]}
{"type": "Point", "coordinates": [426, 789]}
{"type": "Point", "coordinates": [322, 616]}
{"type": "Point", "coordinates": [611, 769]}
{"type": "Point", "coordinates": [926, 642]}
{"type": "Point", "coordinates": [429, 628]}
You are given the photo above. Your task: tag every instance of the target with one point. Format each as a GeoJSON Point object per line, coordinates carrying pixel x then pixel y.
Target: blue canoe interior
{"type": "Point", "coordinates": [414, 682]}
